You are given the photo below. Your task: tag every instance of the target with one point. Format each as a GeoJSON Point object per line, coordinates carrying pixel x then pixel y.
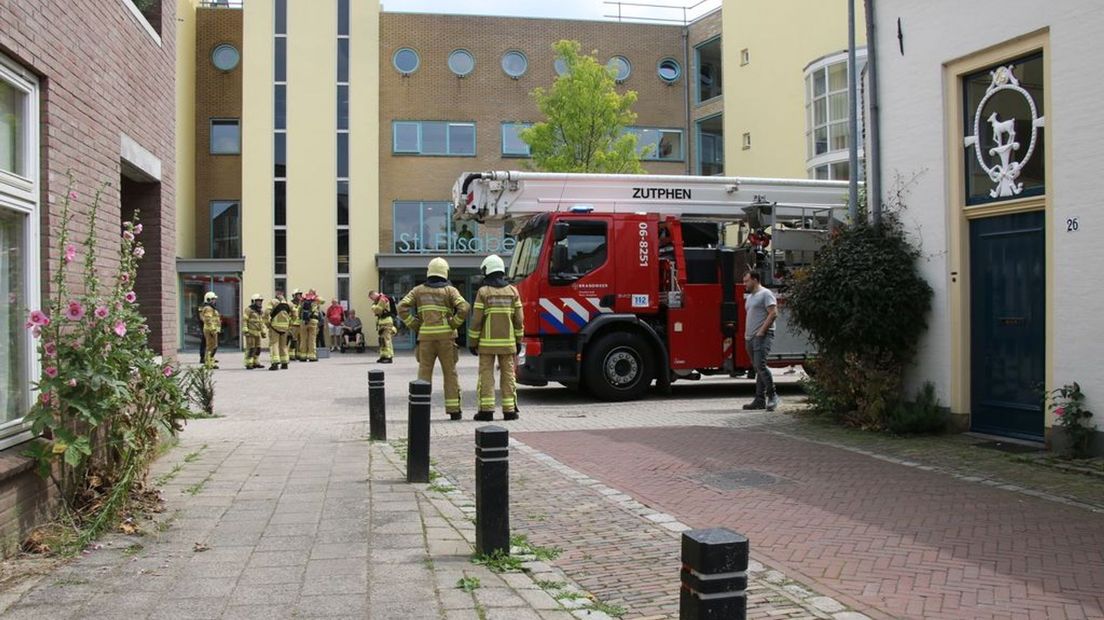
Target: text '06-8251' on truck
{"type": "Point", "coordinates": [630, 279]}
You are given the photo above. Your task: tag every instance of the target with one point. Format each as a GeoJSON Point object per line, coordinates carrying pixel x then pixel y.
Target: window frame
{"type": "Point", "coordinates": [502, 63]}
{"type": "Point", "coordinates": [528, 154]}
{"type": "Point", "coordinates": [417, 63]}
{"type": "Point", "coordinates": [21, 195]}
{"type": "Point", "coordinates": [575, 277]}
{"type": "Point", "coordinates": [697, 70]}
{"type": "Point", "coordinates": [637, 129]}
{"type": "Point", "coordinates": [698, 144]}
{"type": "Point", "coordinates": [456, 52]}
{"type": "Point", "coordinates": [678, 70]}
{"type": "Point", "coordinates": [225, 121]}
{"type": "Point", "coordinates": [211, 226]}
{"type": "Point", "coordinates": [823, 65]}
{"type": "Point", "coordinates": [616, 75]}
{"type": "Point", "coordinates": [419, 151]}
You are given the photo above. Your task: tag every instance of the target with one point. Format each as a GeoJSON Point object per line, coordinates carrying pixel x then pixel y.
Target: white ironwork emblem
{"type": "Point", "coordinates": [1006, 170]}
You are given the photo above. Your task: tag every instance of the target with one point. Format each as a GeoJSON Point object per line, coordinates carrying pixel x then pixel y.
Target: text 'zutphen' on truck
{"type": "Point", "coordinates": [630, 279]}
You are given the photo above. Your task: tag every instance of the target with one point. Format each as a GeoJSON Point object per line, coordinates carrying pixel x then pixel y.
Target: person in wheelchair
{"type": "Point", "coordinates": [353, 333]}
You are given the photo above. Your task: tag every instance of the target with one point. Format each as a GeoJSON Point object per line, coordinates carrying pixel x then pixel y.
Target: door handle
{"type": "Point", "coordinates": [607, 301]}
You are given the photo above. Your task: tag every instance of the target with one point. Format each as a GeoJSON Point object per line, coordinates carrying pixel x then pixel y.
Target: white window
{"type": "Point", "coordinates": [433, 138]}
{"type": "Point", "coordinates": [620, 67]}
{"type": "Point", "coordinates": [512, 144]}
{"type": "Point", "coordinates": [827, 128]}
{"type": "Point", "coordinates": [461, 62]}
{"type": "Point", "coordinates": [515, 64]}
{"type": "Point", "coordinates": [666, 144]}
{"type": "Point", "coordinates": [406, 61]}
{"type": "Point", "coordinates": [19, 229]}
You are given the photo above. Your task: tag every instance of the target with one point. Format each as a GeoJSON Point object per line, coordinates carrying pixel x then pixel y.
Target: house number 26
{"type": "Point", "coordinates": [1072, 225]}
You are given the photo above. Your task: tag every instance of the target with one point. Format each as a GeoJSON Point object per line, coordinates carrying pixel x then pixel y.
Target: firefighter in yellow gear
{"type": "Point", "coordinates": [310, 313]}
{"type": "Point", "coordinates": [495, 336]}
{"type": "Point", "coordinates": [434, 311]}
{"type": "Point", "coordinates": [385, 325]}
{"type": "Point", "coordinates": [278, 319]}
{"type": "Point", "coordinates": [295, 336]}
{"type": "Point", "coordinates": [254, 332]}
{"type": "Point", "coordinates": [212, 325]}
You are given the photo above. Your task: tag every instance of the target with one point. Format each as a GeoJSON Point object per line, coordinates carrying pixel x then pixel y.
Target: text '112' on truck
{"type": "Point", "coordinates": [630, 279]}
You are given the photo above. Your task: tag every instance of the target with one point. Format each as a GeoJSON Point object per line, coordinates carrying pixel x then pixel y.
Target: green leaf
{"type": "Point", "coordinates": [73, 455]}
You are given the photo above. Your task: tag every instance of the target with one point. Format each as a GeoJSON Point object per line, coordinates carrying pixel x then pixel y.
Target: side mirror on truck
{"type": "Point", "coordinates": [559, 259]}
{"type": "Point", "coordinates": [559, 231]}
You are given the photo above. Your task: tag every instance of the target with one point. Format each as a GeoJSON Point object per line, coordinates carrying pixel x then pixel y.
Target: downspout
{"type": "Point", "coordinates": [853, 119]}
{"type": "Point", "coordinates": [873, 157]}
{"type": "Point", "coordinates": [690, 139]}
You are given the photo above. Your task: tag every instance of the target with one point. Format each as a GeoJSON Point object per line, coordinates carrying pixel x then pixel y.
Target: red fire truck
{"type": "Point", "coordinates": [630, 279]}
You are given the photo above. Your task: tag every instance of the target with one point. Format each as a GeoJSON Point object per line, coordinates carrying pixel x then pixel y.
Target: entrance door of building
{"type": "Point", "coordinates": [1008, 324]}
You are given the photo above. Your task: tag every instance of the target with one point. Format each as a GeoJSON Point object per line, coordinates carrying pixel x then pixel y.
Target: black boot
{"type": "Point", "coordinates": [283, 366]}
{"type": "Point", "coordinates": [484, 416]}
{"type": "Point", "coordinates": [456, 415]}
{"type": "Point", "coordinates": [509, 415]}
{"type": "Point", "coordinates": [274, 367]}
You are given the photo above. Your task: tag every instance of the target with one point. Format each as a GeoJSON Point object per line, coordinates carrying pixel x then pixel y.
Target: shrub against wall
{"type": "Point", "coordinates": [864, 304]}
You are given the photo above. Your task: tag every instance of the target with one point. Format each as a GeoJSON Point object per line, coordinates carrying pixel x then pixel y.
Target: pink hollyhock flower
{"type": "Point", "coordinates": [125, 277]}
{"type": "Point", "coordinates": [38, 318]}
{"type": "Point", "coordinates": [1060, 411]}
{"type": "Point", "coordinates": [51, 371]}
{"type": "Point", "coordinates": [100, 312]}
{"type": "Point", "coordinates": [138, 229]}
{"type": "Point", "coordinates": [139, 251]}
{"type": "Point", "coordinates": [73, 195]}
{"type": "Point", "coordinates": [72, 383]}
{"type": "Point", "coordinates": [44, 399]}
{"type": "Point", "coordinates": [120, 328]}
{"type": "Point", "coordinates": [130, 297]}
{"type": "Point", "coordinates": [129, 236]}
{"type": "Point", "coordinates": [70, 253]}
{"type": "Point", "coordinates": [75, 312]}
{"type": "Point", "coordinates": [36, 331]}
{"type": "Point", "coordinates": [167, 371]}
{"type": "Point", "coordinates": [50, 349]}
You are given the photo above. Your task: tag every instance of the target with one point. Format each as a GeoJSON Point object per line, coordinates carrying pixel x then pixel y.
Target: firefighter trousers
{"type": "Point", "coordinates": [210, 344]}
{"type": "Point", "coordinates": [429, 351]}
{"type": "Point", "coordinates": [308, 345]}
{"type": "Point", "coordinates": [278, 347]}
{"type": "Point", "coordinates": [386, 350]}
{"type": "Point", "coordinates": [252, 350]}
{"type": "Point", "coordinates": [505, 379]}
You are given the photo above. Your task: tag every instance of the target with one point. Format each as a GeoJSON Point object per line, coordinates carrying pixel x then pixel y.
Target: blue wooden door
{"type": "Point", "coordinates": [1008, 324]}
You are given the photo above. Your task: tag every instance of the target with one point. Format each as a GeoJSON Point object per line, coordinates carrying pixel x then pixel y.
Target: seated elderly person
{"type": "Point", "coordinates": [353, 332]}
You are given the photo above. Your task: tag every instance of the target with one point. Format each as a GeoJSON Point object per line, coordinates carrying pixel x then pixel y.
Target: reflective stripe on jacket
{"type": "Point", "coordinates": [497, 321]}
{"type": "Point", "coordinates": [435, 313]}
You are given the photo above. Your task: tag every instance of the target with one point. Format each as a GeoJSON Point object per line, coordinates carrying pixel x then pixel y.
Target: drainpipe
{"type": "Point", "coordinates": [686, 97]}
{"type": "Point", "coordinates": [874, 155]}
{"type": "Point", "coordinates": [853, 119]}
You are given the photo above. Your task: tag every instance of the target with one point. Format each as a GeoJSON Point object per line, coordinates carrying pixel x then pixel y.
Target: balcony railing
{"type": "Point", "coordinates": [681, 14]}
{"type": "Point", "coordinates": [221, 4]}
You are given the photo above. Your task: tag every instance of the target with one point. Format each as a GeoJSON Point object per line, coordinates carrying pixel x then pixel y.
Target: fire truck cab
{"type": "Point", "coordinates": [630, 279]}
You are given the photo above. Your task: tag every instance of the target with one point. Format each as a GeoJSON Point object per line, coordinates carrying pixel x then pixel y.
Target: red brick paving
{"type": "Point", "coordinates": [885, 538]}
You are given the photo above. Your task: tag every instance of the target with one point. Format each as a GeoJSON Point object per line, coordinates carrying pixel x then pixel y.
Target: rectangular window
{"type": "Point", "coordinates": [406, 224]}
{"type": "Point", "coordinates": [225, 136]}
{"type": "Point", "coordinates": [225, 229]}
{"type": "Point", "coordinates": [711, 146]}
{"type": "Point", "coordinates": [281, 59]}
{"type": "Point", "coordinates": [343, 106]}
{"type": "Point", "coordinates": [343, 155]}
{"type": "Point", "coordinates": [433, 138]}
{"type": "Point", "coordinates": [343, 290]}
{"type": "Point", "coordinates": [281, 16]}
{"type": "Point", "coordinates": [658, 144]}
{"type": "Point", "coordinates": [279, 285]}
{"type": "Point", "coordinates": [13, 104]}
{"type": "Point", "coordinates": [343, 60]}
{"type": "Point", "coordinates": [279, 251]}
{"type": "Point", "coordinates": [708, 57]}
{"type": "Point", "coordinates": [343, 250]}
{"type": "Point", "coordinates": [19, 237]}
{"type": "Point", "coordinates": [1005, 133]}
{"type": "Point", "coordinates": [586, 249]}
{"type": "Point", "coordinates": [279, 203]}
{"type": "Point", "coordinates": [280, 155]}
{"type": "Point", "coordinates": [342, 18]}
{"type": "Point", "coordinates": [280, 106]}
{"type": "Point", "coordinates": [428, 227]}
{"type": "Point", "coordinates": [342, 203]}
{"type": "Point", "coordinates": [512, 144]}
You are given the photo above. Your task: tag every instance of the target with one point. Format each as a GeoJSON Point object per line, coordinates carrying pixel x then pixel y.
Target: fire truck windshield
{"type": "Point", "coordinates": [526, 254]}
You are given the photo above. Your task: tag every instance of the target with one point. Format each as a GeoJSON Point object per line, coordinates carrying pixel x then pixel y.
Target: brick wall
{"type": "Point", "coordinates": [218, 95]}
{"type": "Point", "coordinates": [489, 97]}
{"type": "Point", "coordinates": [101, 74]}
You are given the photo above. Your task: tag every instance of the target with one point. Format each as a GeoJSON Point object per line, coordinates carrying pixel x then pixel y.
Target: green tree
{"type": "Point", "coordinates": [586, 120]}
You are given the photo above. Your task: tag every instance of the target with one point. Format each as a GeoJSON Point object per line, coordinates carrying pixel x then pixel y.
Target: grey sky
{"type": "Point", "coordinates": [571, 9]}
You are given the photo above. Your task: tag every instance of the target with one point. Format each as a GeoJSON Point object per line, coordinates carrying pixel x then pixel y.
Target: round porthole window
{"type": "Point", "coordinates": [406, 61]}
{"type": "Point", "coordinates": [669, 70]}
{"type": "Point", "coordinates": [461, 62]}
{"type": "Point", "coordinates": [515, 64]}
{"type": "Point", "coordinates": [225, 57]}
{"type": "Point", "coordinates": [560, 66]}
{"type": "Point", "coordinates": [620, 68]}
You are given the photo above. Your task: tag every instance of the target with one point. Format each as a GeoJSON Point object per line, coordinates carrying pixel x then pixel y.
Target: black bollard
{"type": "Point", "coordinates": [492, 490]}
{"type": "Point", "coordinates": [714, 575]}
{"type": "Point", "coordinates": [377, 408]}
{"type": "Point", "coordinates": [417, 435]}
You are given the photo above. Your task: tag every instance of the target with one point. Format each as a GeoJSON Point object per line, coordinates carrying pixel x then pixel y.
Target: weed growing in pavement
{"type": "Point", "coordinates": [197, 487]}
{"type": "Point", "coordinates": [480, 611]}
{"type": "Point", "coordinates": [399, 446]}
{"type": "Point", "coordinates": [169, 475]}
{"type": "Point", "coordinates": [544, 554]}
{"type": "Point", "coordinates": [132, 550]}
{"type": "Point", "coordinates": [191, 456]}
{"type": "Point", "coordinates": [544, 584]}
{"type": "Point", "coordinates": [467, 583]}
{"type": "Point", "coordinates": [615, 611]}
{"type": "Point", "coordinates": [71, 580]}
{"type": "Point", "coordinates": [498, 562]}
{"type": "Point", "coordinates": [538, 517]}
{"type": "Point", "coordinates": [565, 595]}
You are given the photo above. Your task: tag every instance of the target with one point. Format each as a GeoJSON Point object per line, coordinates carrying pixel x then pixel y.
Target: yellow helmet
{"type": "Point", "coordinates": [256, 297]}
{"type": "Point", "coordinates": [492, 264]}
{"type": "Point", "coordinates": [438, 267]}
{"type": "Point", "coordinates": [209, 296]}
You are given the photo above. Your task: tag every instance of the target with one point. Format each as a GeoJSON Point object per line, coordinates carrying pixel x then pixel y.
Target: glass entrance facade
{"type": "Point", "coordinates": [193, 287]}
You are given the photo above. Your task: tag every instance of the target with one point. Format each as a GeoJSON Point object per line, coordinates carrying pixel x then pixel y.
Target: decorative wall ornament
{"type": "Point", "coordinates": [1007, 169]}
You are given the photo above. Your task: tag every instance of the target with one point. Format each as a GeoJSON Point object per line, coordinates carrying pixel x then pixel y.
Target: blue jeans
{"type": "Point", "coordinates": [758, 348]}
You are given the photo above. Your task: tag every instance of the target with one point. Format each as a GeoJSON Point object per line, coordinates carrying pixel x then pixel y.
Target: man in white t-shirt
{"type": "Point", "coordinates": [760, 312]}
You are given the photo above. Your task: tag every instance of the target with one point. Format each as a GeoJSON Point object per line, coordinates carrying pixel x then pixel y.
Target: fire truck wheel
{"type": "Point", "coordinates": [619, 367]}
